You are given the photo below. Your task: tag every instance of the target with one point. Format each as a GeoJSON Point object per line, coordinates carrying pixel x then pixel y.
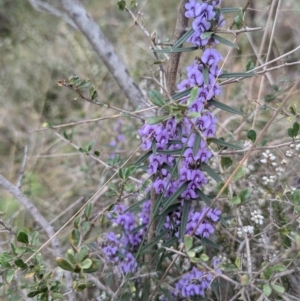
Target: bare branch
{"type": "Point", "coordinates": [172, 66]}
{"type": "Point", "coordinates": [104, 49]}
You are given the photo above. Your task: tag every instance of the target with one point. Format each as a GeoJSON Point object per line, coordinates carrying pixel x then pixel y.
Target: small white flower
{"type": "Point", "coordinates": [264, 161]}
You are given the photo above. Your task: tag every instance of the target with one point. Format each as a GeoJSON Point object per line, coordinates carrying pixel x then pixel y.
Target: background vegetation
{"type": "Point", "coordinates": [37, 49]}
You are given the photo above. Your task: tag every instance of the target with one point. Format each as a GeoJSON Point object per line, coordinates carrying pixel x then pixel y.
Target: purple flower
{"type": "Point", "coordinates": [128, 264]}
{"type": "Point", "coordinates": [195, 76]}
{"type": "Point", "coordinates": [189, 194]}
{"type": "Point", "coordinates": [214, 214]}
{"type": "Point", "coordinates": [207, 11]}
{"type": "Point", "coordinates": [193, 9]}
{"type": "Point", "coordinates": [185, 84]}
{"type": "Point", "coordinates": [159, 185]}
{"type": "Point", "coordinates": [192, 284]}
{"type": "Point", "coordinates": [206, 229]}
{"type": "Point", "coordinates": [211, 57]}
{"type": "Point", "coordinates": [201, 24]}
{"type": "Point", "coordinates": [196, 39]}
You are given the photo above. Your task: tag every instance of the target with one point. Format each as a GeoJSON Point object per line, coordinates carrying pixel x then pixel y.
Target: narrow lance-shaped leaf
{"type": "Point", "coordinates": [236, 74]}
{"type": "Point", "coordinates": [230, 9]}
{"type": "Point", "coordinates": [204, 197]}
{"type": "Point", "coordinates": [153, 242]}
{"type": "Point", "coordinates": [182, 94]}
{"type": "Point", "coordinates": [157, 119]}
{"type": "Point", "coordinates": [156, 98]}
{"type": "Point", "coordinates": [225, 107]}
{"type": "Point", "coordinates": [211, 172]}
{"type": "Point", "coordinates": [223, 143]}
{"type": "Point", "coordinates": [226, 42]}
{"type": "Point", "coordinates": [175, 50]}
{"type": "Point", "coordinates": [196, 145]}
{"type": "Point", "coordinates": [183, 38]}
{"type": "Point", "coordinates": [175, 195]}
{"type": "Point", "coordinates": [193, 96]}
{"type": "Point", "coordinates": [184, 218]}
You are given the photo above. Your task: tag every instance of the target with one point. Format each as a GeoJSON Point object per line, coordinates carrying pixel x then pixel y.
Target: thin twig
{"type": "Point", "coordinates": [19, 183]}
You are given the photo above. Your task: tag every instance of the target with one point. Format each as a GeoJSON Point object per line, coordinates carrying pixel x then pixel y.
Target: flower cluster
{"type": "Point", "coordinates": [182, 177]}
{"type": "Point", "coordinates": [119, 250]}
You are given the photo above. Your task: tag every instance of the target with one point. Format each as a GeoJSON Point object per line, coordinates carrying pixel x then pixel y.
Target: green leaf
{"type": "Point", "coordinates": [196, 145]}
{"type": "Point", "coordinates": [269, 97]}
{"type": "Point", "coordinates": [226, 42]}
{"type": "Point", "coordinates": [182, 94]}
{"type": "Point", "coordinates": [71, 256]}
{"type": "Point", "coordinates": [267, 290]}
{"type": "Point", "coordinates": [20, 263]}
{"type": "Point", "coordinates": [245, 280]}
{"type": "Point", "coordinates": [88, 211]}
{"type": "Point", "coordinates": [226, 10]}
{"type": "Point", "coordinates": [169, 201]}
{"type": "Point", "coordinates": [156, 98]}
{"type": "Point", "coordinates": [296, 197]}
{"type": "Point", "coordinates": [226, 162]}
{"type": "Point", "coordinates": [180, 41]}
{"type": "Point", "coordinates": [245, 194]}
{"type": "Point", "coordinates": [121, 4]}
{"type": "Point", "coordinates": [223, 143]}
{"type": "Point", "coordinates": [149, 246]}
{"type": "Point", "coordinates": [238, 20]}
{"type": "Point", "coordinates": [96, 263]}
{"type": "Point", "coordinates": [84, 84]}
{"type": "Point", "coordinates": [157, 119]}
{"type": "Point", "coordinates": [34, 293]}
{"type": "Point", "coordinates": [250, 65]}
{"type": "Point", "coordinates": [193, 95]}
{"type": "Point", "coordinates": [293, 110]}
{"type": "Point", "coordinates": [205, 74]}
{"type": "Point", "coordinates": [184, 218]}
{"type": "Point", "coordinates": [142, 159]}
{"type": "Point", "coordinates": [74, 237]}
{"type": "Point", "coordinates": [10, 275]}
{"type": "Point", "coordinates": [236, 74]}
{"type": "Point", "coordinates": [207, 242]}
{"type": "Point", "coordinates": [278, 288]}
{"type": "Point", "coordinates": [83, 253]}
{"type": "Point", "coordinates": [251, 134]}
{"type": "Point", "coordinates": [206, 34]}
{"type": "Point", "coordinates": [236, 200]}
{"type": "Point", "coordinates": [240, 173]}
{"type": "Point", "coordinates": [22, 236]}
{"type": "Point", "coordinates": [94, 95]}
{"type": "Point", "coordinates": [295, 129]}
{"type": "Point", "coordinates": [146, 289]}
{"type": "Point", "coordinates": [178, 151]}
{"type": "Point", "coordinates": [263, 142]}
{"type": "Point", "coordinates": [204, 197]}
{"type": "Point", "coordinates": [211, 172]}
{"type": "Point", "coordinates": [188, 242]}
{"type": "Point", "coordinates": [225, 107]}
{"type": "Point", "coordinates": [238, 262]}
{"type": "Point", "coordinates": [175, 50]}
{"type": "Point", "coordinates": [86, 264]}
{"type": "Point", "coordinates": [204, 257]}
{"type": "Point", "coordinates": [290, 132]}
{"type": "Point", "coordinates": [64, 264]}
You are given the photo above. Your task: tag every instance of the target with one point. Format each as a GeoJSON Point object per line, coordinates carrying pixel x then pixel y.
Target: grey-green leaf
{"type": "Point", "coordinates": [226, 42]}
{"type": "Point", "coordinates": [225, 107]}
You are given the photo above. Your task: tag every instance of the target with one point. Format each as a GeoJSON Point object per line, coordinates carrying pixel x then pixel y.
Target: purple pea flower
{"type": "Point", "coordinates": [196, 39]}
{"type": "Point", "coordinates": [211, 57]}
{"type": "Point", "coordinates": [159, 185]}
{"type": "Point", "coordinates": [128, 264]}
{"type": "Point", "coordinates": [201, 24]}
{"type": "Point", "coordinates": [193, 9]}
